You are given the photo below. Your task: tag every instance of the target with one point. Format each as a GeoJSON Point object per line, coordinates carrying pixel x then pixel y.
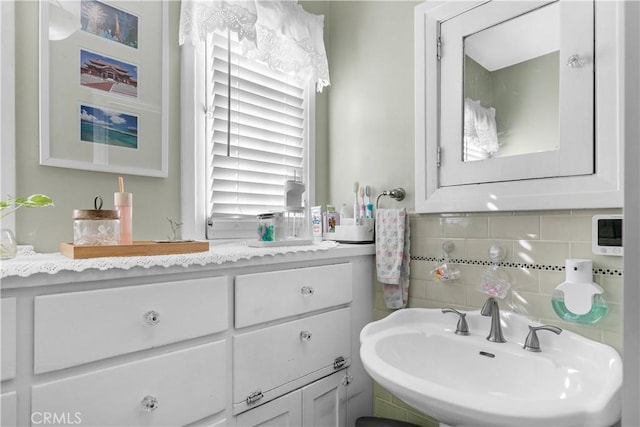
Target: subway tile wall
{"type": "Point", "coordinates": [537, 245]}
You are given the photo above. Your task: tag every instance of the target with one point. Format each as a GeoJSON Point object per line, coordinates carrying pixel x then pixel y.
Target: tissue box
{"type": "Point", "coordinates": [347, 232]}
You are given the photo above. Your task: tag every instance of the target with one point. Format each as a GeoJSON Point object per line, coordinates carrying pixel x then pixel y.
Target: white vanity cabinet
{"type": "Point", "coordinates": [253, 342]}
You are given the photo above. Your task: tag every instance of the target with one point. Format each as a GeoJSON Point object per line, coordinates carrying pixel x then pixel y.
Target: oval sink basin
{"type": "Point", "coordinates": [467, 380]}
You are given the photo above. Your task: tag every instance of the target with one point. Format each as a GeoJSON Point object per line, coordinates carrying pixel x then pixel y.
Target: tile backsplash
{"type": "Point", "coordinates": [537, 245]}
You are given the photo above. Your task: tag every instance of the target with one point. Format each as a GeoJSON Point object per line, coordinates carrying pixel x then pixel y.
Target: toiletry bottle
{"type": "Point", "coordinates": [123, 203]}
{"type": "Point", "coordinates": [343, 213]}
{"type": "Point", "coordinates": [369, 213]}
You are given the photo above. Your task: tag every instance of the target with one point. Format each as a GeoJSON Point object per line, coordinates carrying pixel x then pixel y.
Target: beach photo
{"type": "Point", "coordinates": [108, 74]}
{"type": "Point", "coordinates": [106, 126]}
{"type": "Point", "coordinates": [109, 22]}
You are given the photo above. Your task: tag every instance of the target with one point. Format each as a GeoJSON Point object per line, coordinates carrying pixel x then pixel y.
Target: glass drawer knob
{"type": "Point", "coordinates": [305, 336]}
{"type": "Point", "coordinates": [149, 403]}
{"type": "Point", "coordinates": [307, 290]}
{"type": "Point", "coordinates": [151, 317]}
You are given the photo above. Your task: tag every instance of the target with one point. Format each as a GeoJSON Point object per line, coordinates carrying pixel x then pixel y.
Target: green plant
{"type": "Point", "coordinates": [9, 206]}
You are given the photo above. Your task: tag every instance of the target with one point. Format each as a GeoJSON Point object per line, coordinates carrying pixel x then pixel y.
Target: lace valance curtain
{"type": "Point", "coordinates": [279, 33]}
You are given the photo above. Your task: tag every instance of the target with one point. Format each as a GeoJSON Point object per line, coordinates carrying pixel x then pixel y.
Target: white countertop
{"type": "Point", "coordinates": [34, 269]}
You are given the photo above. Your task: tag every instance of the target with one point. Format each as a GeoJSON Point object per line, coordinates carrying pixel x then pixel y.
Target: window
{"type": "Point", "coordinates": [252, 134]}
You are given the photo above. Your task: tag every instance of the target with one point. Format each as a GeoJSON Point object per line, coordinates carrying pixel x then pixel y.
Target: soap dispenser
{"type": "Point", "coordinates": [578, 299]}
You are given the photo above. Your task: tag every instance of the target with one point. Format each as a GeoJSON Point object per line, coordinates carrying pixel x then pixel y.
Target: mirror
{"type": "Point", "coordinates": [507, 86]}
{"type": "Point", "coordinates": [511, 90]}
{"type": "Point", "coordinates": [547, 73]}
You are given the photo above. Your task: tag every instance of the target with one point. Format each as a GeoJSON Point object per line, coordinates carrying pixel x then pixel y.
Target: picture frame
{"type": "Point", "coordinates": [104, 89]}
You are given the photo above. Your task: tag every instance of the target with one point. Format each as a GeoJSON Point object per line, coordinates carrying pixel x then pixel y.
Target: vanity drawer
{"type": "Point", "coordinates": [176, 388]}
{"type": "Point", "coordinates": [8, 339]}
{"type": "Point", "coordinates": [80, 327]}
{"type": "Point", "coordinates": [280, 358]}
{"type": "Point", "coordinates": [274, 295]}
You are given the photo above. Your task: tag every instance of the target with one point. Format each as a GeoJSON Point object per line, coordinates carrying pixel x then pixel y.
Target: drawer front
{"type": "Point", "coordinates": [172, 389]}
{"type": "Point", "coordinates": [274, 295]}
{"type": "Point", "coordinates": [80, 327]}
{"type": "Point", "coordinates": [8, 339]}
{"type": "Point", "coordinates": [269, 358]}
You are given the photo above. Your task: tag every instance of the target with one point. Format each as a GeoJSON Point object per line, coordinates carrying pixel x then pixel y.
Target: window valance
{"type": "Point", "coordinates": [279, 33]}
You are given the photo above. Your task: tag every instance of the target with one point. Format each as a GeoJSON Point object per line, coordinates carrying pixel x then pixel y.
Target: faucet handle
{"type": "Point", "coordinates": [461, 328]}
{"type": "Point", "coordinates": [532, 343]}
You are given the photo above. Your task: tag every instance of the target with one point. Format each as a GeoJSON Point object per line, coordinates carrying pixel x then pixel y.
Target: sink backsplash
{"type": "Point", "coordinates": [537, 244]}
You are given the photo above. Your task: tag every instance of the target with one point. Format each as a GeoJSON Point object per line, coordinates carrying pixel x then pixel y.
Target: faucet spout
{"type": "Point", "coordinates": [491, 308]}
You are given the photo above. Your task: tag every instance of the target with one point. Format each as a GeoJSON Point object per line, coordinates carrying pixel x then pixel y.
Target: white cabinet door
{"type": "Point", "coordinates": [283, 412]}
{"type": "Point", "coordinates": [9, 409]}
{"type": "Point", "coordinates": [8, 367]}
{"type": "Point", "coordinates": [320, 404]}
{"type": "Point", "coordinates": [523, 106]}
{"type": "Point", "coordinates": [324, 403]}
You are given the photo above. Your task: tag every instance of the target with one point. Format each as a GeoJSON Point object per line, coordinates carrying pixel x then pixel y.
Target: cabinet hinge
{"type": "Point", "coordinates": [439, 48]}
{"type": "Point", "coordinates": [348, 379]}
{"type": "Point", "coordinates": [438, 155]}
{"type": "Point", "coordinates": [254, 397]}
{"type": "Point", "coordinates": [339, 362]}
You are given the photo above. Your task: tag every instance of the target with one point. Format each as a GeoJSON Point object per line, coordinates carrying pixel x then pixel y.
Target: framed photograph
{"type": "Point", "coordinates": [108, 74]}
{"type": "Point", "coordinates": [104, 89]}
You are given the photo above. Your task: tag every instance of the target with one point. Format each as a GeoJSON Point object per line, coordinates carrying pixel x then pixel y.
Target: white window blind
{"type": "Point", "coordinates": [256, 137]}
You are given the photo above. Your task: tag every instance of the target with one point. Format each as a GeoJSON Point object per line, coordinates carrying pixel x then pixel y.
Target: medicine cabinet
{"type": "Point", "coordinates": [518, 105]}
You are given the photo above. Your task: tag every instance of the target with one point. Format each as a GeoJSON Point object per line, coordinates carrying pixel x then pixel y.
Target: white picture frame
{"type": "Point", "coordinates": [121, 130]}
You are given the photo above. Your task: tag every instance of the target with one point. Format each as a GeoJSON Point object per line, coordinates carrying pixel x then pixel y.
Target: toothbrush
{"type": "Point", "coordinates": [369, 208]}
{"type": "Point", "coordinates": [356, 207]}
{"type": "Point", "coordinates": [361, 192]}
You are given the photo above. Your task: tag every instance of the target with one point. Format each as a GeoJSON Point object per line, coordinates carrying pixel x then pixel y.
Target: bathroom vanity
{"type": "Point", "coordinates": [267, 339]}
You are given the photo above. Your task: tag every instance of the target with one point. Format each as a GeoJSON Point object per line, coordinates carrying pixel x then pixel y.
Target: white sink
{"type": "Point", "coordinates": [467, 380]}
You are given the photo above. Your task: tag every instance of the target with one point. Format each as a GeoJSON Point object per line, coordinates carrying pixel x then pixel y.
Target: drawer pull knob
{"type": "Point", "coordinates": [254, 396]}
{"type": "Point", "coordinates": [151, 318]}
{"type": "Point", "coordinates": [149, 403]}
{"type": "Point", "coordinates": [307, 290]}
{"type": "Point", "coordinates": [305, 336]}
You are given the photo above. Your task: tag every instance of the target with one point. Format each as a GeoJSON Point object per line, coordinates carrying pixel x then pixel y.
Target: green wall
{"type": "Point", "coordinates": [364, 127]}
{"type": "Point", "coordinates": [154, 198]}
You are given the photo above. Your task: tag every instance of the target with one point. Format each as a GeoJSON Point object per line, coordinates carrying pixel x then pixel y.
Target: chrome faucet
{"type": "Point", "coordinates": [491, 308]}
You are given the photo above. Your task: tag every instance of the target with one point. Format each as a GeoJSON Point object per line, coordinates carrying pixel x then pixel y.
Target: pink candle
{"type": "Point", "coordinates": [123, 203]}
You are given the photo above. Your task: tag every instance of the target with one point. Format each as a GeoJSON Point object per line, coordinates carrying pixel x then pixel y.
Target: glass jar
{"type": "Point", "coordinates": [266, 227]}
{"type": "Point", "coordinates": [96, 227]}
{"type": "Point", "coordinates": [8, 244]}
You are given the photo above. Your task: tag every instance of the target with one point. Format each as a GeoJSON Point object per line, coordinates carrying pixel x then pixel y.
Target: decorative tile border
{"type": "Point", "coordinates": [600, 271]}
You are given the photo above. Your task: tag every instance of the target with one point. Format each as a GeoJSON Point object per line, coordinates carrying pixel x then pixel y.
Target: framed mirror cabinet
{"type": "Point", "coordinates": [518, 105]}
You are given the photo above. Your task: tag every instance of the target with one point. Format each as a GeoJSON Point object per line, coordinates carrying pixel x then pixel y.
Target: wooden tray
{"type": "Point", "coordinates": [138, 248]}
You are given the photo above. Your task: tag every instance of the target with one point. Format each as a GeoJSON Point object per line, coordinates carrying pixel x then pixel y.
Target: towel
{"type": "Point", "coordinates": [392, 255]}
{"type": "Point", "coordinates": [480, 130]}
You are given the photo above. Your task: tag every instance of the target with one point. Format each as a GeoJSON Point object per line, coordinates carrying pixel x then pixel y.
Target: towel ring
{"type": "Point", "coordinates": [397, 194]}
